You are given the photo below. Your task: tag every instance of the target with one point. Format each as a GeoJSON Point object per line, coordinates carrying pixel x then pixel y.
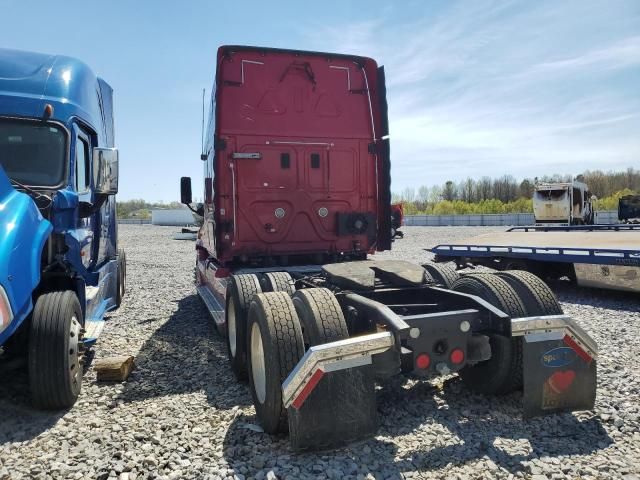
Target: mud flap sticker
{"type": "Point", "coordinates": [558, 375]}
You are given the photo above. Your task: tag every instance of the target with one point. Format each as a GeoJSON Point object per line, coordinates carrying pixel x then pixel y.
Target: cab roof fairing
{"type": "Point", "coordinates": [29, 81]}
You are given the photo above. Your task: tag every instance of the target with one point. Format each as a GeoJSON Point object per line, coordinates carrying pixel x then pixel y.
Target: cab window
{"type": "Point", "coordinates": [82, 165]}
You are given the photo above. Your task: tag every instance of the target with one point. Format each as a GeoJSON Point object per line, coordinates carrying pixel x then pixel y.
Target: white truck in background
{"type": "Point", "coordinates": [567, 203]}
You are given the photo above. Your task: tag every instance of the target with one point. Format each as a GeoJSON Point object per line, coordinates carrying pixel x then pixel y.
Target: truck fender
{"type": "Point", "coordinates": [23, 234]}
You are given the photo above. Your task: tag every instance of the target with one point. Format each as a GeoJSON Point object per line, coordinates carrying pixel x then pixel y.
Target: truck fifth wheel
{"type": "Point", "coordinates": [296, 196]}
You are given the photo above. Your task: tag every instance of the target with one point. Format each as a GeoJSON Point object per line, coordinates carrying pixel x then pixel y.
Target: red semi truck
{"type": "Point", "coordinates": [397, 219]}
{"type": "Point", "coordinates": [296, 196]}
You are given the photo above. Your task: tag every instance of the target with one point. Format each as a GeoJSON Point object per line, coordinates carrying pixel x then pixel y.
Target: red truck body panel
{"type": "Point", "coordinates": [296, 162]}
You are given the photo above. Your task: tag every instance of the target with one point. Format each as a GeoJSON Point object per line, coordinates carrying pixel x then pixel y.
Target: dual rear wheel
{"type": "Point", "coordinates": [270, 332]}
{"type": "Point", "coordinates": [279, 326]}
{"type": "Point", "coordinates": [519, 294]}
{"type": "Point", "coordinates": [240, 292]}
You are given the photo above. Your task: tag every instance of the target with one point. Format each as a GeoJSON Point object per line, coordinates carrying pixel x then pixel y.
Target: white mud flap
{"type": "Point", "coordinates": [330, 395]}
{"type": "Point", "coordinates": [559, 362]}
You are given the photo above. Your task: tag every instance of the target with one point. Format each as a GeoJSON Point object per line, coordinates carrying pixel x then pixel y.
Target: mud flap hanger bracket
{"type": "Point", "coordinates": [560, 326]}
{"type": "Point", "coordinates": [321, 359]}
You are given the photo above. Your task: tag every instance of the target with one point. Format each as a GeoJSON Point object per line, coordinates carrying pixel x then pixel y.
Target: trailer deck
{"type": "Point", "coordinates": [603, 256]}
{"type": "Point", "coordinates": [621, 247]}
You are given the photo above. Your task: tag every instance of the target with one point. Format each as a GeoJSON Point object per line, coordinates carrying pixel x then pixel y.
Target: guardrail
{"type": "Point", "coordinates": [491, 219]}
{"type": "Point", "coordinates": [476, 220]}
{"type": "Point", "coordinates": [134, 221]}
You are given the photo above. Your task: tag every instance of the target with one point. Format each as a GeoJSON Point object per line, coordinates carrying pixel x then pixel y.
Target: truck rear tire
{"type": "Point", "coordinates": [502, 373]}
{"type": "Point", "coordinates": [342, 407]}
{"type": "Point", "coordinates": [277, 282]}
{"type": "Point", "coordinates": [536, 296]}
{"type": "Point", "coordinates": [122, 277]}
{"type": "Point", "coordinates": [274, 347]}
{"type": "Point", "coordinates": [55, 366]}
{"type": "Point", "coordinates": [240, 292]}
{"type": "Point", "coordinates": [442, 274]}
{"type": "Point", "coordinates": [320, 316]}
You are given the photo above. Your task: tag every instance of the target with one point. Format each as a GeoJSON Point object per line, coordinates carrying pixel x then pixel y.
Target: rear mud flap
{"type": "Point", "coordinates": [559, 362]}
{"type": "Point", "coordinates": [340, 409]}
{"type": "Point", "coordinates": [330, 395]}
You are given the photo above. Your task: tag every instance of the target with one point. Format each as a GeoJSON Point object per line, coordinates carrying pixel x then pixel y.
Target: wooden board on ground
{"type": "Point", "coordinates": [114, 369]}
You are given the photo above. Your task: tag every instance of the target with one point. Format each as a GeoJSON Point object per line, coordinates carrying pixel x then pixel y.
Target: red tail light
{"type": "Point", "coordinates": [423, 361]}
{"type": "Point", "coordinates": [457, 356]}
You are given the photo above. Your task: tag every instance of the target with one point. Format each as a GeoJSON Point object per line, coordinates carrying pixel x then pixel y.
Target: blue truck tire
{"type": "Point", "coordinates": [55, 360]}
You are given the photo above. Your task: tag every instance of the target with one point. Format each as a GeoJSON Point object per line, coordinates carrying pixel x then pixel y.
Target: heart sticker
{"type": "Point", "coordinates": [561, 381]}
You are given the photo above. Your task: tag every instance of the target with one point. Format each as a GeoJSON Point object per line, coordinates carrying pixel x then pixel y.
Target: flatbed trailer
{"type": "Point", "coordinates": [600, 256]}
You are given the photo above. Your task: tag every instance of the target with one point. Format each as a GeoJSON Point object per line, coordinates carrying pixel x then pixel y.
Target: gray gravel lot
{"type": "Point", "coordinates": [182, 415]}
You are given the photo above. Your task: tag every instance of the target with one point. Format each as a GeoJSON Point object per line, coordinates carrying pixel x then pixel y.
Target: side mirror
{"type": "Point", "coordinates": [593, 198]}
{"type": "Point", "coordinates": [105, 171]}
{"type": "Point", "coordinates": [185, 190]}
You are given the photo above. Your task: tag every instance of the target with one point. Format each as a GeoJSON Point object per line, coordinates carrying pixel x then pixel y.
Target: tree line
{"type": "Point", "coordinates": [506, 194]}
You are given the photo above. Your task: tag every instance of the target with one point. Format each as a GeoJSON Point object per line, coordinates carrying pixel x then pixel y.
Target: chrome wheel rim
{"type": "Point", "coordinates": [257, 364]}
{"type": "Point", "coordinates": [75, 369]}
{"type": "Point", "coordinates": [231, 327]}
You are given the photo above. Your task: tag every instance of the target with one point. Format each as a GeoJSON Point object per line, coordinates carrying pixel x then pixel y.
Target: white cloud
{"type": "Point", "coordinates": [622, 54]}
{"type": "Point", "coordinates": [487, 88]}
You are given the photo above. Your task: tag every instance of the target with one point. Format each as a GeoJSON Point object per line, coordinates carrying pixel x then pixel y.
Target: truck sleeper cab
{"type": "Point", "coordinates": [61, 269]}
{"type": "Point", "coordinates": [563, 204]}
{"type": "Point", "coordinates": [307, 319]}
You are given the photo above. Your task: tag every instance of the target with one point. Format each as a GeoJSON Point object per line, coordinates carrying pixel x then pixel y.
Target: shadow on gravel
{"type": "Point", "coordinates": [600, 298]}
{"type": "Point", "coordinates": [446, 425]}
{"type": "Point", "coordinates": [19, 422]}
{"type": "Point", "coordinates": [247, 447]}
{"type": "Point", "coordinates": [185, 355]}
{"type": "Point", "coordinates": [484, 426]}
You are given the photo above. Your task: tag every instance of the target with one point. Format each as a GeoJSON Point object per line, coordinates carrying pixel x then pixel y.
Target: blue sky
{"type": "Point", "coordinates": [475, 87]}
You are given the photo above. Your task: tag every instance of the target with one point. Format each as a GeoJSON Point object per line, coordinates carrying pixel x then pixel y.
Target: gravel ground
{"type": "Point", "coordinates": [181, 414]}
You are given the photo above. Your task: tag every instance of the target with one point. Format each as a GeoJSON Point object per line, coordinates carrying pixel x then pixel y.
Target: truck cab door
{"type": "Point", "coordinates": [82, 182]}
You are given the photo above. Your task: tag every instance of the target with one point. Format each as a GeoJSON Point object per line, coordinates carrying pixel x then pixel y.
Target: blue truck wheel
{"type": "Point", "coordinates": [55, 361]}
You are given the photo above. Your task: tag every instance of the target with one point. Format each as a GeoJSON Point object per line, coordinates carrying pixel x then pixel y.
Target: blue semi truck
{"type": "Point", "coordinates": [60, 266]}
